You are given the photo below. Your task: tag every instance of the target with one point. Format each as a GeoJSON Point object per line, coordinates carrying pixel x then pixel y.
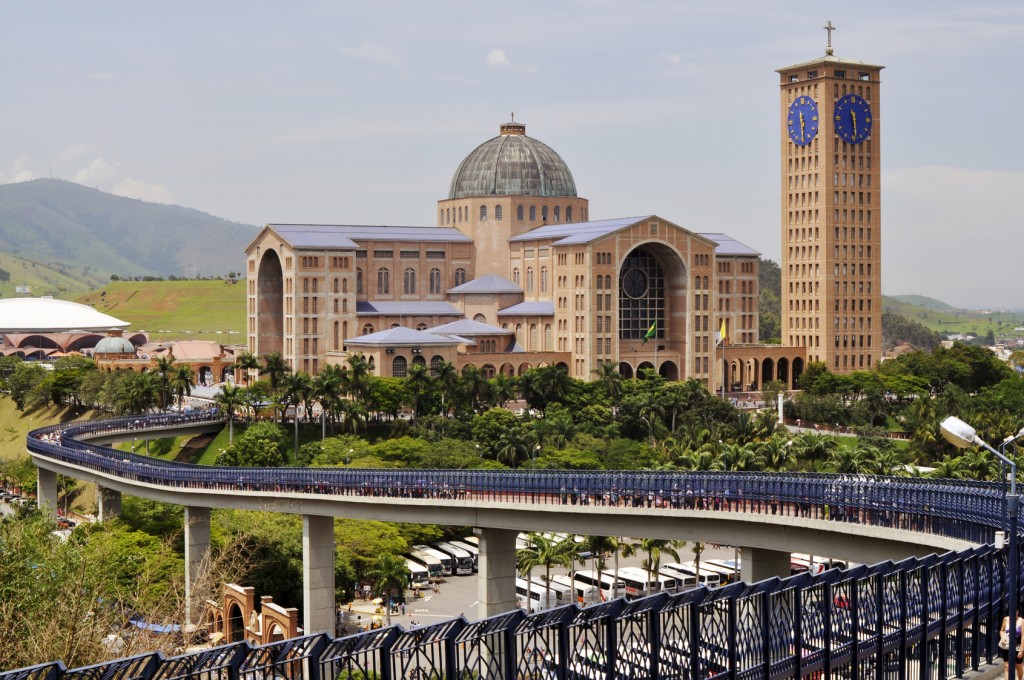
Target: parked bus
{"type": "Point", "coordinates": [705, 577]}
{"type": "Point", "coordinates": [637, 582]}
{"type": "Point", "coordinates": [435, 570]}
{"type": "Point", "coordinates": [462, 561]}
{"type": "Point", "coordinates": [684, 582]}
{"type": "Point", "coordinates": [725, 570]}
{"type": "Point", "coordinates": [534, 597]}
{"type": "Point", "coordinates": [473, 551]}
{"type": "Point", "coordinates": [472, 540]}
{"type": "Point", "coordinates": [605, 582]}
{"type": "Point", "coordinates": [447, 563]}
{"type": "Point", "coordinates": [828, 562]}
{"type": "Point", "coordinates": [585, 594]}
{"type": "Point", "coordinates": [419, 576]}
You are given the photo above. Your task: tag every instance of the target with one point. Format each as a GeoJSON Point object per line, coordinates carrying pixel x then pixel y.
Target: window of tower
{"type": "Point", "coordinates": [533, 213]}
{"type": "Point", "coordinates": [519, 213]}
{"type": "Point", "coordinates": [497, 213]}
{"type": "Point", "coordinates": [483, 213]}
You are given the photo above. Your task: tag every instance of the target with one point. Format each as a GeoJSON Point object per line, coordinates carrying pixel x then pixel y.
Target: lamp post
{"type": "Point", "coordinates": [961, 435]}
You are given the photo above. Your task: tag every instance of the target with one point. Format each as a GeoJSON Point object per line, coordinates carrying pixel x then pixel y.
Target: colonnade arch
{"type": "Point", "coordinates": [270, 304]}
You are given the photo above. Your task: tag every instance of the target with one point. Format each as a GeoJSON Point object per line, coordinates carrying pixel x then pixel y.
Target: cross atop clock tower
{"type": "Point", "coordinates": [831, 210]}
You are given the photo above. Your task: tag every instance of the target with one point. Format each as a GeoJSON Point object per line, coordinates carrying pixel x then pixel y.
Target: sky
{"type": "Point", "coordinates": [359, 112]}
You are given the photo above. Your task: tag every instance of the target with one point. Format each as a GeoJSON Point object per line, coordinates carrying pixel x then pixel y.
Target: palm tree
{"type": "Point", "coordinates": [181, 383]}
{"type": "Point", "coordinates": [445, 377]}
{"type": "Point", "coordinates": [136, 393]}
{"type": "Point", "coordinates": [327, 388]}
{"type": "Point", "coordinates": [609, 380]}
{"type": "Point", "coordinates": [697, 548]}
{"type": "Point", "coordinates": [275, 367]}
{"type": "Point", "coordinates": [230, 399]}
{"type": "Point", "coordinates": [417, 381]}
{"type": "Point", "coordinates": [358, 377]}
{"type": "Point", "coordinates": [247, 362]}
{"type": "Point", "coordinates": [165, 368]}
{"type": "Point", "coordinates": [298, 388]}
{"type": "Point", "coordinates": [390, 574]}
{"type": "Point", "coordinates": [546, 551]}
{"type": "Point", "coordinates": [474, 386]}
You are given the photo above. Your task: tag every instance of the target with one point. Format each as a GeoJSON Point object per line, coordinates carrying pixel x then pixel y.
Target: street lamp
{"type": "Point", "coordinates": [535, 450]}
{"type": "Point", "coordinates": [961, 435]}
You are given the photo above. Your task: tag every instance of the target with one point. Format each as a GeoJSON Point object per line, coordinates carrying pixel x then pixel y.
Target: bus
{"type": "Point", "coordinates": [447, 563]}
{"type": "Point", "coordinates": [821, 563]}
{"type": "Point", "coordinates": [419, 576]}
{"type": "Point", "coordinates": [462, 561]}
{"type": "Point", "coordinates": [585, 594]}
{"type": "Point", "coordinates": [725, 569]}
{"type": "Point", "coordinates": [473, 551]}
{"type": "Point", "coordinates": [684, 582]}
{"type": "Point", "coordinates": [637, 582]}
{"type": "Point", "coordinates": [472, 540]}
{"type": "Point", "coordinates": [705, 577]}
{"type": "Point", "coordinates": [435, 570]}
{"type": "Point", "coordinates": [604, 582]}
{"type": "Point", "coordinates": [534, 597]}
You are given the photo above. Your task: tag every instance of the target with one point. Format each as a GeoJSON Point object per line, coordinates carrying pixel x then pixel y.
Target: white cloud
{"type": "Point", "coordinates": [19, 171]}
{"type": "Point", "coordinates": [497, 57]}
{"type": "Point", "coordinates": [70, 154]}
{"type": "Point", "coordinates": [382, 54]}
{"type": "Point", "coordinates": [98, 173]}
{"type": "Point", "coordinates": [136, 188]}
{"type": "Point", "coordinates": [673, 58]}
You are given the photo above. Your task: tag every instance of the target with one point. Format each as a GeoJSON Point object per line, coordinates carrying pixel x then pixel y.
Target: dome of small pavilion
{"type": "Point", "coordinates": [114, 345]}
{"type": "Point", "coordinates": [512, 164]}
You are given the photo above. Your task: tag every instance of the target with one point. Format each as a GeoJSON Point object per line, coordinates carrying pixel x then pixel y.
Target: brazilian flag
{"type": "Point", "coordinates": [651, 332]}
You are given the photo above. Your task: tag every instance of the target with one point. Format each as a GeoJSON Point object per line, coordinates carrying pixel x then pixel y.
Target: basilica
{"type": "Point", "coordinates": [516, 274]}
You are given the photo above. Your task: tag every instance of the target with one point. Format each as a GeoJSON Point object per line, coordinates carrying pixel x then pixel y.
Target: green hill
{"type": "Point", "coordinates": [922, 301]}
{"type": "Point", "coordinates": [944, 318]}
{"type": "Point", "coordinates": [176, 310]}
{"type": "Point", "coordinates": [87, 234]}
{"type": "Point", "coordinates": [58, 279]}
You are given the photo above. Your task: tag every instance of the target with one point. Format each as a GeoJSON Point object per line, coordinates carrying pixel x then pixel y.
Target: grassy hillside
{"type": "Point", "coordinates": [922, 301]}
{"type": "Point", "coordinates": [945, 319]}
{"type": "Point", "coordinates": [176, 310]}
{"type": "Point", "coordinates": [58, 279]}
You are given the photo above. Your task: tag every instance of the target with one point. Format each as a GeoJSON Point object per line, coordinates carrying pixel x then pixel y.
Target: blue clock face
{"type": "Point", "coordinates": [802, 120]}
{"type": "Point", "coordinates": [853, 119]}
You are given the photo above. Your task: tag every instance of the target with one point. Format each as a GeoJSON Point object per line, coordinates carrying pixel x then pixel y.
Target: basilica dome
{"type": "Point", "coordinates": [512, 164]}
{"type": "Point", "coordinates": [114, 345]}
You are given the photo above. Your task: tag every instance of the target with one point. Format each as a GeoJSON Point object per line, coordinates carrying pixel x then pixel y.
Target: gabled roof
{"type": "Point", "coordinates": [470, 327]}
{"type": "Point", "coordinates": [401, 336]}
{"type": "Point", "coordinates": [578, 232]}
{"type": "Point", "coordinates": [489, 283]}
{"type": "Point", "coordinates": [541, 308]}
{"type": "Point", "coordinates": [417, 307]}
{"type": "Point", "coordinates": [727, 245]}
{"type": "Point", "coordinates": [346, 236]}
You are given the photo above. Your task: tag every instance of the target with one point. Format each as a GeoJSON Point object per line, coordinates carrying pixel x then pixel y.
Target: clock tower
{"type": "Point", "coordinates": [831, 210]}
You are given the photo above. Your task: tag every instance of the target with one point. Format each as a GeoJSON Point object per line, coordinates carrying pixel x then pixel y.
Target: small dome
{"type": "Point", "coordinates": [113, 345]}
{"type": "Point", "coordinates": [512, 164]}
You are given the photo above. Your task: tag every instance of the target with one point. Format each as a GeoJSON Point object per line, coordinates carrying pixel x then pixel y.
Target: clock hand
{"type": "Point", "coordinates": [801, 126]}
{"type": "Point", "coordinates": [853, 114]}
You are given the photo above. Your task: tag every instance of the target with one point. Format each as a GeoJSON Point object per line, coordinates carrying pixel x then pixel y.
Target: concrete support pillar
{"type": "Point", "coordinates": [197, 561]}
{"type": "Point", "coordinates": [758, 564]}
{"type": "Point", "coordinates": [46, 491]}
{"type": "Point", "coordinates": [318, 574]}
{"type": "Point", "coordinates": [496, 589]}
{"type": "Point", "coordinates": [110, 503]}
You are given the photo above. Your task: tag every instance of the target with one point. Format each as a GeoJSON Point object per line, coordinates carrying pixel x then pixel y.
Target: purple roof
{"type": "Point", "coordinates": [529, 309]}
{"type": "Point", "coordinates": [411, 307]}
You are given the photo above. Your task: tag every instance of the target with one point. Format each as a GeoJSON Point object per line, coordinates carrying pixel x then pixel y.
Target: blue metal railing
{"type": "Point", "coordinates": [931, 617]}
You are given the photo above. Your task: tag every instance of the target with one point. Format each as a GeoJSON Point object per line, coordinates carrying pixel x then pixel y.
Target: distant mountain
{"type": "Point", "coordinates": [66, 226]}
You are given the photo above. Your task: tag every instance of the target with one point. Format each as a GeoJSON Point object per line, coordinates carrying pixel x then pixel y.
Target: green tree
{"type": "Point", "coordinates": [262, 444]}
{"type": "Point", "coordinates": [390, 575]}
{"type": "Point", "coordinates": [181, 383]}
{"type": "Point", "coordinates": [654, 548]}
{"type": "Point", "coordinates": [229, 400]}
{"type": "Point", "coordinates": [543, 550]}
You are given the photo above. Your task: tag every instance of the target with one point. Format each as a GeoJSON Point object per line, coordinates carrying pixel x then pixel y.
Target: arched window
{"type": "Point", "coordinates": [421, 327]}
{"type": "Point", "coordinates": [556, 214]}
{"type": "Point", "coordinates": [441, 217]}
{"type": "Point", "coordinates": [448, 216]}
{"type": "Point", "coordinates": [460, 213]}
{"type": "Point", "coordinates": [533, 338]}
{"type": "Point", "coordinates": [497, 213]}
{"type": "Point", "coordinates": [548, 338]}
{"type": "Point", "coordinates": [344, 306]}
{"type": "Point", "coordinates": [409, 281]}
{"type": "Point", "coordinates": [367, 329]}
{"type": "Point", "coordinates": [435, 281]}
{"type": "Point", "coordinates": [705, 282]}
{"type": "Point", "coordinates": [344, 285]}
{"type": "Point", "coordinates": [480, 318]}
{"type": "Point", "coordinates": [533, 213]}
{"type": "Point", "coordinates": [336, 285]}
{"type": "Point", "coordinates": [418, 360]}
{"type": "Point", "coordinates": [344, 333]}
{"type": "Point", "coordinates": [337, 335]}
{"type": "Point", "coordinates": [600, 282]}
{"type": "Point", "coordinates": [696, 281]}
{"type": "Point", "coordinates": [483, 213]}
{"type": "Point", "coordinates": [435, 364]}
{"type": "Point", "coordinates": [568, 213]}
{"type": "Point", "coordinates": [519, 213]}
{"type": "Point", "coordinates": [383, 281]}
{"type": "Point", "coordinates": [529, 279]}
{"type": "Point", "coordinates": [359, 281]}
{"type": "Point", "coordinates": [515, 276]}
{"type": "Point", "coordinates": [398, 367]}
{"type": "Point", "coordinates": [544, 214]}
{"type": "Point", "coordinates": [543, 279]}
{"type": "Point", "coordinates": [460, 276]}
